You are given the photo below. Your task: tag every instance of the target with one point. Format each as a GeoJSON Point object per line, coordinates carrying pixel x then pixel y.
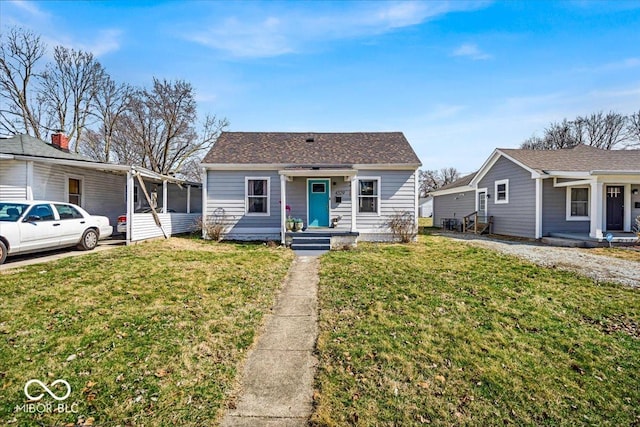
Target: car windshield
{"type": "Point", "coordinates": [10, 212]}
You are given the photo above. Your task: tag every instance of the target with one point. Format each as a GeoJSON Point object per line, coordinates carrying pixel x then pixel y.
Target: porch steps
{"type": "Point", "coordinates": [315, 242]}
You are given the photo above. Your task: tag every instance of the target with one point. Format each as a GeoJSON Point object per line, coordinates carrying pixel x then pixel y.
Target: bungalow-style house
{"type": "Point", "coordinates": [344, 186]}
{"type": "Point", "coordinates": [576, 192]}
{"type": "Point", "coordinates": [32, 169]}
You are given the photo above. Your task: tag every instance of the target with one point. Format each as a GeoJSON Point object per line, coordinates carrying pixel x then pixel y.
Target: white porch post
{"type": "Point", "coordinates": [596, 210]}
{"type": "Point", "coordinates": [416, 213]}
{"type": "Point", "coordinates": [130, 209]}
{"type": "Point", "coordinates": [29, 189]}
{"type": "Point", "coordinates": [354, 202]}
{"type": "Point", "coordinates": [188, 198]}
{"type": "Point", "coordinates": [539, 187]}
{"type": "Point", "coordinates": [164, 196]}
{"type": "Point", "coordinates": [204, 201]}
{"type": "Point", "coordinates": [627, 207]}
{"type": "Point", "coordinates": [283, 207]}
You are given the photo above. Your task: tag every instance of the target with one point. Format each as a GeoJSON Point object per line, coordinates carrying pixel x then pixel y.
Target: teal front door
{"type": "Point", "coordinates": [318, 191]}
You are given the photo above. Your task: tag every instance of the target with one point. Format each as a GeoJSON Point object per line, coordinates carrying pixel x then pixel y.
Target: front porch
{"type": "Point", "coordinates": [322, 199]}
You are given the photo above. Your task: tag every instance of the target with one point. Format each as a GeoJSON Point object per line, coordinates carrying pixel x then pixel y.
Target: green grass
{"type": "Point", "coordinates": [442, 333]}
{"type": "Point", "coordinates": [425, 222]}
{"type": "Point", "coordinates": [151, 334]}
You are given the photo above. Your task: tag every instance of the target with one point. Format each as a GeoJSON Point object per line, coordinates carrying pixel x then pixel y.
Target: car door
{"type": "Point", "coordinates": [72, 224]}
{"type": "Point", "coordinates": [39, 229]}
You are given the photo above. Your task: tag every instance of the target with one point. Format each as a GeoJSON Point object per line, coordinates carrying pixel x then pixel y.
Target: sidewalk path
{"type": "Point", "coordinates": [277, 382]}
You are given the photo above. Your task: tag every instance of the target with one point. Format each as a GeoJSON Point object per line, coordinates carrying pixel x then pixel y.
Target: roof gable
{"type": "Point", "coordinates": [312, 149]}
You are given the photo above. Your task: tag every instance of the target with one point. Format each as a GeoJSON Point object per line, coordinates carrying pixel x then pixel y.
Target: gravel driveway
{"type": "Point", "coordinates": [598, 267]}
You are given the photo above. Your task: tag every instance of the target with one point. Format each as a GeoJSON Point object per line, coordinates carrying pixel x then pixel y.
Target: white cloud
{"type": "Point", "coordinates": [624, 64]}
{"type": "Point", "coordinates": [471, 50]}
{"type": "Point", "coordinates": [29, 7]}
{"type": "Point", "coordinates": [105, 41]}
{"type": "Point", "coordinates": [292, 30]}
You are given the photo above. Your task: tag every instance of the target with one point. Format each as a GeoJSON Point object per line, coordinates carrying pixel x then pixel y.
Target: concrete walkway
{"type": "Point", "coordinates": [277, 382]}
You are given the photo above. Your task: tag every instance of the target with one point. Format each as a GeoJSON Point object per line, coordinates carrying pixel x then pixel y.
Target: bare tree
{"type": "Point", "coordinates": [110, 104]}
{"type": "Point", "coordinates": [162, 126]}
{"type": "Point", "coordinates": [70, 85]}
{"type": "Point", "coordinates": [599, 130]}
{"type": "Point", "coordinates": [431, 180]}
{"type": "Point", "coordinates": [633, 129]}
{"type": "Point", "coordinates": [605, 130]}
{"type": "Point", "coordinates": [20, 54]}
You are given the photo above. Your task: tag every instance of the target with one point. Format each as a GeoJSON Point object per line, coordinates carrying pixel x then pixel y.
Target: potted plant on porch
{"type": "Point", "coordinates": [298, 224]}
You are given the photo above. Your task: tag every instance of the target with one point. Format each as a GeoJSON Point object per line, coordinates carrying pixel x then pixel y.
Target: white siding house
{"type": "Point", "coordinates": [342, 185]}
{"type": "Point", "coordinates": [32, 169]}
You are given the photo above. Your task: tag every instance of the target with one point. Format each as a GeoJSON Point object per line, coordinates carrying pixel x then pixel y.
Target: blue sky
{"type": "Point", "coordinates": [458, 78]}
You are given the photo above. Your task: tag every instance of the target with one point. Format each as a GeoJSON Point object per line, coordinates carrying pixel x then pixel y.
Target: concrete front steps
{"type": "Point", "coordinates": [310, 242]}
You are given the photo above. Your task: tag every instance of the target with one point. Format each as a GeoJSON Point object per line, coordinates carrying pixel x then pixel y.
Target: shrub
{"type": "Point", "coordinates": [403, 226]}
{"type": "Point", "coordinates": [214, 227]}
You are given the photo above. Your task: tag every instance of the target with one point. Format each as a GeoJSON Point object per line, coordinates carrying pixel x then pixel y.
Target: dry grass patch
{"type": "Point", "coordinates": [150, 334]}
{"type": "Point", "coordinates": [442, 333]}
{"type": "Point", "coordinates": [628, 254]}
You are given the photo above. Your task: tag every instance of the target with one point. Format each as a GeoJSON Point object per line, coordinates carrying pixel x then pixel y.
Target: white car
{"type": "Point", "coordinates": [34, 225]}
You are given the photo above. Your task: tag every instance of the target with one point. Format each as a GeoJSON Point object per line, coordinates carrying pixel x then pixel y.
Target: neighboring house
{"type": "Point", "coordinates": [425, 206]}
{"type": "Point", "coordinates": [347, 184]}
{"type": "Point", "coordinates": [32, 169]}
{"type": "Point", "coordinates": [537, 193]}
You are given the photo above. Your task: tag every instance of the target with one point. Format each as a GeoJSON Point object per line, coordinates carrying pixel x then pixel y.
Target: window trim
{"type": "Point", "coordinates": [506, 191]}
{"type": "Point", "coordinates": [80, 178]}
{"type": "Point", "coordinates": [569, 217]}
{"type": "Point", "coordinates": [378, 196]}
{"type": "Point", "coordinates": [246, 195]}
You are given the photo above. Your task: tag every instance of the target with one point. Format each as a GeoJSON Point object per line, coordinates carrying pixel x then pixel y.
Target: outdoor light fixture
{"type": "Point", "coordinates": [488, 196]}
{"type": "Point", "coordinates": [635, 191]}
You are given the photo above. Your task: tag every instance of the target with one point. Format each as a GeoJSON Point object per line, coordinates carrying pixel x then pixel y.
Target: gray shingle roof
{"type": "Point", "coordinates": [581, 158]}
{"type": "Point", "coordinates": [310, 149]}
{"type": "Point", "coordinates": [461, 182]}
{"type": "Point", "coordinates": [25, 145]}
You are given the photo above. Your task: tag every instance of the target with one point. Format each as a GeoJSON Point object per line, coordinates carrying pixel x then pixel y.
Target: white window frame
{"type": "Point", "coordinates": [246, 195]}
{"type": "Point", "coordinates": [80, 178]}
{"type": "Point", "coordinates": [378, 196]}
{"type": "Point", "coordinates": [569, 217]}
{"type": "Point", "coordinates": [506, 191]}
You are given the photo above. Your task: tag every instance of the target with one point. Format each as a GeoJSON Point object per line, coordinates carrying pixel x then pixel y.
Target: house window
{"type": "Point", "coordinates": [75, 191]}
{"type": "Point", "coordinates": [577, 203]}
{"type": "Point", "coordinates": [257, 196]}
{"type": "Point", "coordinates": [369, 195]}
{"type": "Point", "coordinates": [318, 187]}
{"type": "Point", "coordinates": [502, 191]}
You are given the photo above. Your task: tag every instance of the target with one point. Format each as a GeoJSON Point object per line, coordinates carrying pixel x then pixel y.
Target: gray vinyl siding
{"type": "Point", "coordinates": [226, 190]}
{"type": "Point", "coordinates": [554, 211]}
{"type": "Point", "coordinates": [13, 179]}
{"type": "Point", "coordinates": [518, 217]}
{"type": "Point", "coordinates": [397, 194]}
{"type": "Point", "coordinates": [102, 193]}
{"type": "Point", "coordinates": [455, 205]}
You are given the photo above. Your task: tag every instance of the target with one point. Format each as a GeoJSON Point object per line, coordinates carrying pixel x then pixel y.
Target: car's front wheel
{"type": "Point", "coordinates": [89, 240]}
{"type": "Point", "coordinates": [3, 252]}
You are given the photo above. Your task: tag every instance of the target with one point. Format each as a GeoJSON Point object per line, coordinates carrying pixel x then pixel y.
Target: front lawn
{"type": "Point", "coordinates": [442, 333]}
{"type": "Point", "coordinates": [150, 334]}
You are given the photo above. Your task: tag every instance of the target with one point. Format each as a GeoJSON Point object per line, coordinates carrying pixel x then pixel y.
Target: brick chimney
{"type": "Point", "coordinates": [60, 141]}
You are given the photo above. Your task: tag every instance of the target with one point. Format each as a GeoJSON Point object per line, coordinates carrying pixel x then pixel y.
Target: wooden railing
{"type": "Point", "coordinates": [478, 224]}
